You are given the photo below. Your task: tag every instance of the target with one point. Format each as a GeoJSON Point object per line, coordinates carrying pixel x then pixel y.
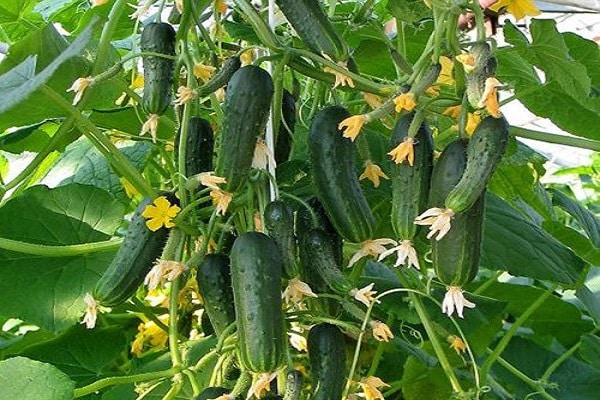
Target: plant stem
{"type": "Point", "coordinates": [68, 250]}
{"type": "Point", "coordinates": [106, 36]}
{"type": "Point", "coordinates": [266, 36]}
{"type": "Point", "coordinates": [557, 139]}
{"type": "Point", "coordinates": [527, 380]}
{"type": "Point", "coordinates": [121, 380]}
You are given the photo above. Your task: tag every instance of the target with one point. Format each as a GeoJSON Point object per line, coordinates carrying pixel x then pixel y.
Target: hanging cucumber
{"type": "Point", "coordinates": [279, 223]}
{"type": "Point", "coordinates": [199, 147]}
{"type": "Point", "coordinates": [214, 282]}
{"type": "Point", "coordinates": [256, 269]}
{"type": "Point", "coordinates": [327, 356]}
{"type": "Point", "coordinates": [245, 113]}
{"type": "Point", "coordinates": [221, 77]}
{"type": "Point", "coordinates": [293, 385]}
{"type": "Point", "coordinates": [335, 179]}
{"type": "Point", "coordinates": [157, 37]}
{"type": "Point", "coordinates": [410, 184]}
{"type": "Point", "coordinates": [283, 145]}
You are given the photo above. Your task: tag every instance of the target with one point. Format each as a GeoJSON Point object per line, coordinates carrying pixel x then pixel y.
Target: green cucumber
{"type": "Point", "coordinates": [256, 269]}
{"type": "Point", "coordinates": [211, 393]}
{"type": "Point", "coordinates": [135, 258]}
{"type": "Point", "coordinates": [327, 356]}
{"type": "Point", "coordinates": [214, 282]}
{"type": "Point", "coordinates": [455, 257]}
{"type": "Point", "coordinates": [157, 37]}
{"type": "Point", "coordinates": [304, 223]}
{"type": "Point", "coordinates": [410, 184]}
{"type": "Point", "coordinates": [314, 27]}
{"type": "Point", "coordinates": [198, 148]}
{"type": "Point", "coordinates": [285, 134]}
{"type": "Point", "coordinates": [335, 179]}
{"type": "Point", "coordinates": [293, 385]}
{"type": "Point", "coordinates": [245, 113]}
{"type": "Point", "coordinates": [279, 223]}
{"type": "Point", "coordinates": [485, 66]}
{"type": "Point", "coordinates": [484, 152]}
{"type": "Point", "coordinates": [221, 77]}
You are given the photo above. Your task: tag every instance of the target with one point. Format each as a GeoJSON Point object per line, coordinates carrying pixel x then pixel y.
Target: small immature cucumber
{"type": "Point", "coordinates": [221, 77]}
{"type": "Point", "coordinates": [214, 282]}
{"type": "Point", "coordinates": [314, 28]}
{"type": "Point", "coordinates": [410, 184]}
{"type": "Point", "coordinates": [327, 356]}
{"type": "Point", "coordinates": [245, 113]}
{"type": "Point", "coordinates": [335, 178]}
{"type": "Point", "coordinates": [140, 249]}
{"type": "Point", "coordinates": [157, 37]}
{"type": "Point", "coordinates": [199, 147]}
{"type": "Point", "coordinates": [256, 269]}
{"type": "Point", "coordinates": [211, 393]}
{"type": "Point", "coordinates": [279, 222]}
{"type": "Point", "coordinates": [485, 66]}
{"type": "Point", "coordinates": [293, 385]}
{"type": "Point", "coordinates": [283, 145]}
{"type": "Point", "coordinates": [484, 152]}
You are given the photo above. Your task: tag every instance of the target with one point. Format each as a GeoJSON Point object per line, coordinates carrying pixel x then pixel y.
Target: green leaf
{"type": "Point", "coordinates": [29, 138]}
{"type": "Point", "coordinates": [590, 300]}
{"type": "Point", "coordinates": [588, 221]}
{"type": "Point", "coordinates": [47, 8]}
{"type": "Point", "coordinates": [586, 53]}
{"type": "Point", "coordinates": [48, 292]}
{"type": "Point", "coordinates": [127, 120]}
{"type": "Point", "coordinates": [513, 69]}
{"type": "Point", "coordinates": [514, 244]}
{"type": "Point", "coordinates": [590, 350]}
{"type": "Point", "coordinates": [22, 378]}
{"type": "Point", "coordinates": [17, 18]}
{"type": "Point", "coordinates": [373, 58]}
{"type": "Point", "coordinates": [580, 244]}
{"type": "Point", "coordinates": [83, 163]}
{"type": "Point", "coordinates": [409, 11]}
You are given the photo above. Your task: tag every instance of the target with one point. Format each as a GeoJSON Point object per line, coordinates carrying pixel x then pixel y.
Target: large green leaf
{"type": "Point", "coordinates": [586, 53]}
{"type": "Point", "coordinates": [22, 378]}
{"type": "Point", "coordinates": [577, 242]}
{"type": "Point", "coordinates": [515, 244]}
{"type": "Point", "coordinates": [590, 350]}
{"type": "Point", "coordinates": [17, 18]}
{"type": "Point", "coordinates": [586, 219]}
{"type": "Point", "coordinates": [48, 291]}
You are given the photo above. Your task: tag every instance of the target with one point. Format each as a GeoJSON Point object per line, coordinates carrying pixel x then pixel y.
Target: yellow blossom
{"type": "Point", "coordinates": [404, 151]}
{"type": "Point", "coordinates": [157, 297]}
{"type": "Point", "coordinates": [298, 341]}
{"type": "Point", "coordinates": [296, 290]}
{"type": "Point", "coordinates": [454, 299]}
{"type": "Point", "coordinates": [247, 57]}
{"type": "Point", "coordinates": [381, 331]}
{"type": "Point", "coordinates": [221, 200]}
{"type": "Point", "coordinates": [160, 214]}
{"type": "Point", "coordinates": [341, 79]}
{"type": "Point", "coordinates": [179, 6]}
{"type": "Point", "coordinates": [372, 247]}
{"type": "Point", "coordinates": [452, 112]}
{"type": "Point", "coordinates": [161, 271]}
{"type": "Point", "coordinates": [373, 172]}
{"type": "Point", "coordinates": [467, 60]}
{"type": "Point", "coordinates": [433, 91]}
{"type": "Point", "coordinates": [351, 126]}
{"type": "Point", "coordinates": [203, 72]}
{"type": "Point", "coordinates": [91, 311]}
{"type": "Point", "coordinates": [519, 8]}
{"type": "Point", "coordinates": [262, 383]}
{"type": "Point", "coordinates": [473, 120]}
{"type": "Point", "coordinates": [150, 333]}
{"type": "Point", "coordinates": [370, 387]}
{"type": "Point", "coordinates": [372, 100]}
{"type": "Point", "coordinates": [406, 101]}
{"type": "Point", "coordinates": [97, 3]}
{"type": "Point", "coordinates": [221, 6]}
{"type": "Point", "coordinates": [130, 190]}
{"type": "Point", "coordinates": [79, 87]}
{"type": "Point", "coordinates": [151, 125]}
{"type": "Point", "coordinates": [208, 179]}
{"type": "Point", "coordinates": [457, 344]}
{"type": "Point", "coordinates": [489, 100]}
{"type": "Point", "coordinates": [263, 156]}
{"type": "Point", "coordinates": [445, 77]}
{"type": "Point", "coordinates": [184, 95]}
{"type": "Point", "coordinates": [439, 219]}
{"type": "Point", "coordinates": [364, 295]}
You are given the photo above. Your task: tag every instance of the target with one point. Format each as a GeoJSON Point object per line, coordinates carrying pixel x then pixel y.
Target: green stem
{"type": "Point", "coordinates": [479, 21]}
{"type": "Point", "coordinates": [69, 250]}
{"type": "Point", "coordinates": [365, 9]}
{"type": "Point", "coordinates": [106, 36]}
{"type": "Point", "coordinates": [266, 36]}
{"type": "Point", "coordinates": [557, 139]}
{"type": "Point", "coordinates": [563, 357]}
{"type": "Point", "coordinates": [122, 380]}
{"type": "Point", "coordinates": [487, 365]}
{"type": "Point", "coordinates": [535, 385]}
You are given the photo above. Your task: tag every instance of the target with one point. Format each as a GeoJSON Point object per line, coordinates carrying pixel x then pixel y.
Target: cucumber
{"type": "Point", "coordinates": [318, 258]}
{"type": "Point", "coordinates": [279, 223]}
{"type": "Point", "coordinates": [314, 27]}
{"type": "Point", "coordinates": [484, 152]}
{"type": "Point", "coordinates": [256, 269]}
{"type": "Point", "coordinates": [327, 357]}
{"type": "Point", "coordinates": [140, 249]}
{"type": "Point", "coordinates": [485, 66]}
{"type": "Point", "coordinates": [456, 256]}
{"type": "Point", "coordinates": [283, 144]}
{"type": "Point", "coordinates": [335, 179]}
{"type": "Point", "coordinates": [212, 393]}
{"type": "Point", "coordinates": [245, 113]}
{"type": "Point", "coordinates": [293, 385]}
{"type": "Point", "coordinates": [410, 185]}
{"type": "Point", "coordinates": [304, 223]}
{"type": "Point", "coordinates": [199, 147]}
{"type": "Point", "coordinates": [214, 282]}
{"type": "Point", "coordinates": [221, 77]}
{"type": "Point", "coordinates": [157, 37]}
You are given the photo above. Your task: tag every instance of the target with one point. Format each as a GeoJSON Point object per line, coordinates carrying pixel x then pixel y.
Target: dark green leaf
{"type": "Point", "coordinates": [580, 244]}
{"type": "Point", "coordinates": [590, 350]}
{"type": "Point", "coordinates": [515, 244]}
{"type": "Point", "coordinates": [22, 378]}
{"type": "Point", "coordinates": [588, 221]}
{"type": "Point", "coordinates": [373, 58]}
{"type": "Point", "coordinates": [585, 52]}
{"type": "Point", "coordinates": [29, 138]}
{"type": "Point", "coordinates": [513, 69]}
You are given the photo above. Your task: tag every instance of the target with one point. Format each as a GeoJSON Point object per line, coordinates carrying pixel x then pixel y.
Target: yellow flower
{"type": "Point", "coordinates": [296, 290]}
{"type": "Point", "coordinates": [91, 311]}
{"type": "Point", "coordinates": [445, 77]}
{"type": "Point", "coordinates": [208, 179]}
{"type": "Point", "coordinates": [130, 190]}
{"type": "Point", "coordinates": [351, 126]}
{"type": "Point", "coordinates": [203, 72]}
{"type": "Point", "coordinates": [406, 101]}
{"type": "Point", "coordinates": [184, 95]}
{"type": "Point", "coordinates": [381, 331]}
{"type": "Point", "coordinates": [370, 248]}
{"type": "Point", "coordinates": [160, 214]}
{"type": "Point", "coordinates": [373, 172]}
{"type": "Point", "coordinates": [341, 79]}
{"type": "Point", "coordinates": [405, 252]}
{"type": "Point", "coordinates": [452, 112]}
{"type": "Point", "coordinates": [221, 7]}
{"type": "Point", "coordinates": [221, 200]}
{"type": "Point", "coordinates": [179, 5]}
{"type": "Point", "coordinates": [298, 341]}
{"type": "Point", "coordinates": [364, 295]}
{"type": "Point", "coordinates": [151, 125]}
{"type": "Point", "coordinates": [97, 3]}
{"type": "Point", "coordinates": [489, 100]}
{"type": "Point", "coordinates": [433, 91]}
{"type": "Point", "coordinates": [467, 60]}
{"type": "Point", "coordinates": [262, 383]}
{"type": "Point", "coordinates": [404, 151]}
{"type": "Point", "coordinates": [150, 333]}
{"type": "Point", "coordinates": [439, 219]}
{"type": "Point", "coordinates": [370, 387]}
{"type": "Point", "coordinates": [79, 87]}
{"type": "Point", "coordinates": [518, 8]}
{"type": "Point", "coordinates": [263, 156]}
{"type": "Point", "coordinates": [454, 298]}
{"type": "Point", "coordinates": [161, 271]}
{"type": "Point", "coordinates": [372, 100]}
{"type": "Point", "coordinates": [247, 57]}
{"type": "Point", "coordinates": [473, 120]}
{"type": "Point", "coordinates": [457, 344]}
